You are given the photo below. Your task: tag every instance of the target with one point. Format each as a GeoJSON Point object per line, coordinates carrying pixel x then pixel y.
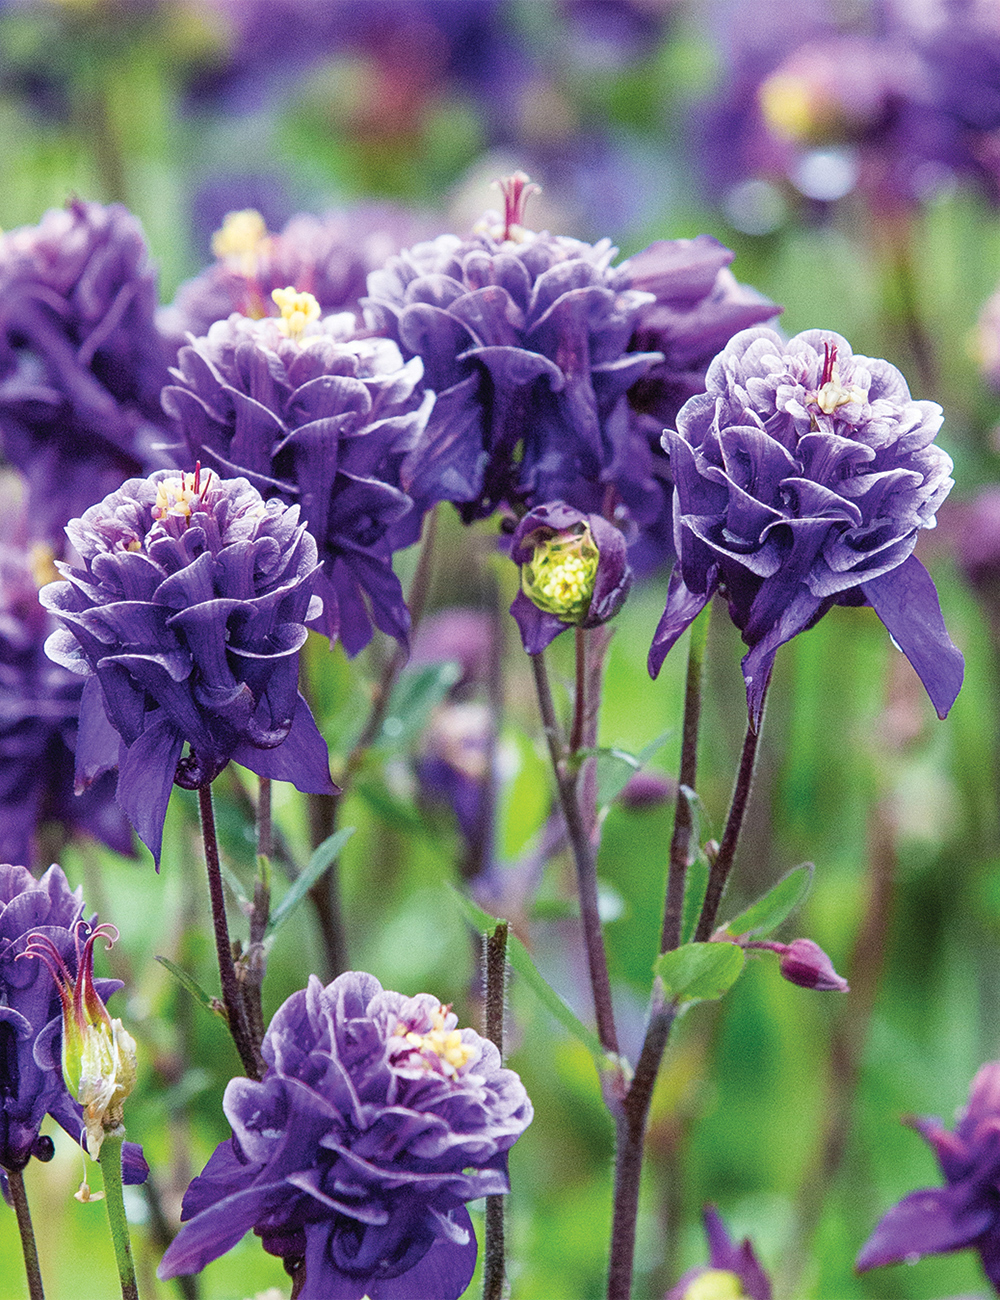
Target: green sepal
{"type": "Point", "coordinates": [193, 987]}
{"type": "Point", "coordinates": [322, 857]}
{"type": "Point", "coordinates": [699, 972]}
{"type": "Point", "coordinates": [520, 959]}
{"type": "Point", "coordinates": [778, 903]}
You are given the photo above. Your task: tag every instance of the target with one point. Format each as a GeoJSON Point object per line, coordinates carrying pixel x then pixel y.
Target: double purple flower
{"type": "Point", "coordinates": [186, 616]}
{"type": "Point", "coordinates": [81, 365]}
{"type": "Point", "coordinates": [322, 420]}
{"type": "Point", "coordinates": [802, 478]}
{"type": "Point", "coordinates": [377, 1120]}
{"type": "Point", "coordinates": [31, 1077]}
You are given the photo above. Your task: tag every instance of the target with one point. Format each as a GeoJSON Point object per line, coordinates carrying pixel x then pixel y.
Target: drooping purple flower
{"type": "Point", "coordinates": [39, 714]}
{"type": "Point", "coordinates": [31, 1077]}
{"type": "Point", "coordinates": [328, 256]}
{"type": "Point", "coordinates": [534, 344]}
{"type": "Point", "coordinates": [81, 364]}
{"type": "Point", "coordinates": [186, 616]}
{"type": "Point", "coordinates": [574, 572]}
{"type": "Point", "coordinates": [376, 1121]}
{"type": "Point", "coordinates": [735, 1265]}
{"type": "Point", "coordinates": [321, 419]}
{"type": "Point", "coordinates": [801, 480]}
{"type": "Point", "coordinates": [966, 1211]}
{"type": "Point", "coordinates": [804, 963]}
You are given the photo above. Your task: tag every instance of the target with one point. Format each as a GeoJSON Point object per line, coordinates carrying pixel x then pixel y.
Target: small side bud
{"type": "Point", "coordinates": [804, 963]}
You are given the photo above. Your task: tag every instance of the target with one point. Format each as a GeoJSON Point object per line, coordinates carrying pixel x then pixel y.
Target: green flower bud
{"type": "Point", "coordinates": [560, 577]}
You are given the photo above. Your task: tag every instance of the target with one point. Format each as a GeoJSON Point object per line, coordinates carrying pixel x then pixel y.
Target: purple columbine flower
{"type": "Point", "coordinates": [31, 1076]}
{"type": "Point", "coordinates": [376, 1121]}
{"type": "Point", "coordinates": [39, 713]}
{"type": "Point", "coordinates": [315, 417]}
{"type": "Point", "coordinates": [966, 1211]}
{"type": "Point", "coordinates": [186, 616]}
{"type": "Point", "coordinates": [328, 256]}
{"type": "Point", "coordinates": [802, 478]}
{"type": "Point", "coordinates": [573, 572]}
{"type": "Point", "coordinates": [733, 1268]}
{"type": "Point", "coordinates": [81, 364]}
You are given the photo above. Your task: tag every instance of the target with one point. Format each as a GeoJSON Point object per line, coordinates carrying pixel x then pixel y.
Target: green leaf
{"type": "Point", "coordinates": [416, 693]}
{"type": "Point", "coordinates": [695, 885]}
{"type": "Point", "coordinates": [778, 903]}
{"type": "Point", "coordinates": [323, 856]}
{"type": "Point", "coordinates": [193, 987]}
{"type": "Point", "coordinates": [616, 766]}
{"type": "Point", "coordinates": [520, 959]}
{"type": "Point", "coordinates": [236, 886]}
{"type": "Point", "coordinates": [699, 972]}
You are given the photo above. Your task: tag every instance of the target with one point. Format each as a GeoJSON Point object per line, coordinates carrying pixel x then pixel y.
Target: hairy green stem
{"type": "Point", "coordinates": [494, 1266]}
{"type": "Point", "coordinates": [111, 1168]}
{"type": "Point", "coordinates": [15, 1181]}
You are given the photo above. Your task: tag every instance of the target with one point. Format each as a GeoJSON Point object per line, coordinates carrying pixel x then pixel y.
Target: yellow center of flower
{"type": "Point", "coordinates": [835, 393]}
{"type": "Point", "coordinates": [789, 106]}
{"type": "Point", "coordinates": [560, 577]}
{"type": "Point", "coordinates": [176, 496]}
{"type": "Point", "coordinates": [715, 1284]}
{"type": "Point", "coordinates": [41, 559]}
{"type": "Point", "coordinates": [241, 241]}
{"type": "Point", "coordinates": [439, 1041]}
{"type": "Point", "coordinates": [297, 310]}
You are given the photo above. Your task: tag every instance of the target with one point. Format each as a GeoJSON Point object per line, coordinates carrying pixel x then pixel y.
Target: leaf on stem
{"type": "Point", "coordinates": [325, 854]}
{"type": "Point", "coordinates": [415, 694]}
{"type": "Point", "coordinates": [616, 767]}
{"type": "Point", "coordinates": [699, 972]}
{"type": "Point", "coordinates": [520, 959]}
{"type": "Point", "coordinates": [193, 987]}
{"type": "Point", "coordinates": [776, 905]}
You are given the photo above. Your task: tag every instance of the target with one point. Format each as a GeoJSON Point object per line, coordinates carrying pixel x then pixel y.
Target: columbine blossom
{"type": "Point", "coordinates": [376, 1121]}
{"type": "Point", "coordinates": [81, 363]}
{"type": "Point", "coordinates": [186, 615]}
{"type": "Point", "coordinates": [732, 1271]}
{"type": "Point", "coordinates": [318, 418]}
{"type": "Point", "coordinates": [965, 1212]}
{"type": "Point", "coordinates": [535, 344]}
{"type": "Point", "coordinates": [802, 478]}
{"type": "Point", "coordinates": [31, 1079]}
{"type": "Point", "coordinates": [573, 572]}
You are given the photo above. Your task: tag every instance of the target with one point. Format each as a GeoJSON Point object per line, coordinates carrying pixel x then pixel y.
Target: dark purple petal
{"type": "Point", "coordinates": [926, 1223]}
{"type": "Point", "coordinates": [906, 601]}
{"type": "Point", "coordinates": [682, 608]}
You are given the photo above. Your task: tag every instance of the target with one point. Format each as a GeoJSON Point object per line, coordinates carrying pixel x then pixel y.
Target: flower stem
{"type": "Point", "coordinates": [496, 968]}
{"type": "Point", "coordinates": [583, 856]}
{"type": "Point", "coordinates": [680, 843]}
{"type": "Point", "coordinates": [15, 1181]}
{"type": "Point", "coordinates": [111, 1168]}
{"type": "Point", "coordinates": [722, 863]}
{"type": "Point", "coordinates": [231, 996]}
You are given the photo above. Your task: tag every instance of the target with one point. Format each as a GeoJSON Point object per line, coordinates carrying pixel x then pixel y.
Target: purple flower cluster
{"type": "Point", "coordinates": [81, 365]}
{"type": "Point", "coordinates": [323, 420]}
{"type": "Point", "coordinates": [39, 714]}
{"type": "Point", "coordinates": [377, 1120]}
{"type": "Point", "coordinates": [966, 1211]}
{"type": "Point", "coordinates": [31, 1077]}
{"type": "Point", "coordinates": [534, 343]}
{"type": "Point", "coordinates": [186, 615]}
{"type": "Point", "coordinates": [802, 478]}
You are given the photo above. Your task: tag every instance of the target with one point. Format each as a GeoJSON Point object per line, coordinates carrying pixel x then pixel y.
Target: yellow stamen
{"type": "Point", "coordinates": [175, 496]}
{"type": "Point", "coordinates": [835, 393]}
{"type": "Point", "coordinates": [297, 310]}
{"type": "Point", "coordinates": [241, 241]}
{"type": "Point", "coordinates": [444, 1043]}
{"type": "Point", "coordinates": [42, 561]}
{"type": "Point", "coordinates": [715, 1284]}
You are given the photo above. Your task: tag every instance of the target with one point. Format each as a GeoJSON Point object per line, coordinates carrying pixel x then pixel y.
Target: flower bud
{"type": "Point", "coordinates": [573, 572]}
{"type": "Point", "coordinates": [806, 964]}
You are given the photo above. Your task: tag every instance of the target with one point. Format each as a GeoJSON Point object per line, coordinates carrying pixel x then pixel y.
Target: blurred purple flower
{"type": "Point", "coordinates": [81, 365]}
{"type": "Point", "coordinates": [323, 420]}
{"type": "Point", "coordinates": [376, 1121]}
{"type": "Point", "coordinates": [39, 713]}
{"type": "Point", "coordinates": [534, 345]}
{"type": "Point", "coordinates": [573, 572]}
{"type": "Point", "coordinates": [464, 636]}
{"type": "Point", "coordinates": [31, 1077]}
{"type": "Point", "coordinates": [328, 256]}
{"type": "Point", "coordinates": [186, 617]}
{"type": "Point", "coordinates": [974, 526]}
{"type": "Point", "coordinates": [802, 478]}
{"type": "Point", "coordinates": [966, 1211]}
{"type": "Point", "coordinates": [735, 1265]}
